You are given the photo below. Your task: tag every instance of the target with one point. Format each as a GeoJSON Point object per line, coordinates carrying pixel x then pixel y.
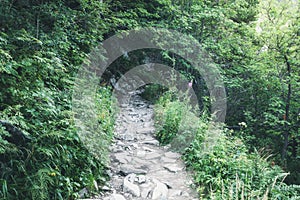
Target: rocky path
{"type": "Point", "coordinates": [140, 168]}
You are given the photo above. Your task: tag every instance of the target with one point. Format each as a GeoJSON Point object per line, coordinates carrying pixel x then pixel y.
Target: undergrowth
{"type": "Point", "coordinates": [222, 165]}
{"type": "Point", "coordinates": [54, 164]}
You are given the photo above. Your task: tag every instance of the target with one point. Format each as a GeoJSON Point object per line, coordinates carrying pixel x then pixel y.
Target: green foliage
{"type": "Point", "coordinates": [42, 45]}
{"type": "Point", "coordinates": [272, 115]}
{"type": "Point", "coordinates": [255, 43]}
{"type": "Point", "coordinates": [153, 92]}
{"type": "Point", "coordinates": [172, 115]}
{"type": "Point", "coordinates": [56, 165]}
{"type": "Point", "coordinates": [174, 121]}
{"type": "Point", "coordinates": [228, 170]}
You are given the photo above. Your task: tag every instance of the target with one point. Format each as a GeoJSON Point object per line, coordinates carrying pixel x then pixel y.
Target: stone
{"type": "Point", "coordinates": [146, 189]}
{"type": "Point", "coordinates": [141, 179]}
{"type": "Point", "coordinates": [131, 187]}
{"type": "Point", "coordinates": [140, 161]}
{"type": "Point", "coordinates": [122, 158]}
{"type": "Point", "coordinates": [167, 147]}
{"type": "Point", "coordinates": [109, 173]}
{"type": "Point", "coordinates": [153, 155]}
{"type": "Point", "coordinates": [148, 124]}
{"type": "Point", "coordinates": [173, 193]}
{"type": "Point", "coordinates": [146, 192]}
{"type": "Point", "coordinates": [168, 184]}
{"type": "Point", "coordinates": [117, 197]}
{"type": "Point", "coordinates": [140, 168]}
{"type": "Point", "coordinates": [148, 149]}
{"type": "Point", "coordinates": [168, 160]}
{"type": "Point", "coordinates": [82, 193]}
{"type": "Point", "coordinates": [172, 155]}
{"type": "Point", "coordinates": [160, 191]}
{"type": "Point", "coordinates": [146, 130]}
{"type": "Point", "coordinates": [147, 137]}
{"type": "Point", "coordinates": [140, 153]}
{"type": "Point", "coordinates": [127, 137]}
{"type": "Point", "coordinates": [127, 148]}
{"type": "Point", "coordinates": [130, 169]}
{"type": "Point", "coordinates": [96, 185]}
{"type": "Point", "coordinates": [119, 143]}
{"type": "Point", "coordinates": [106, 188]}
{"type": "Point", "coordinates": [151, 142]}
{"type": "Point", "coordinates": [173, 168]}
{"type": "Point", "coordinates": [117, 149]}
{"type": "Point", "coordinates": [185, 194]}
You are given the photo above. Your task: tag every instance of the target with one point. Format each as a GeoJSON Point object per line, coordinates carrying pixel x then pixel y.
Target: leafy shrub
{"type": "Point", "coordinates": [227, 170]}
{"type": "Point", "coordinates": [55, 164]}
{"type": "Point", "coordinates": [168, 122]}
{"type": "Point", "coordinates": [42, 46]}
{"type": "Point", "coordinates": [230, 172]}
{"type": "Point", "coordinates": [153, 92]}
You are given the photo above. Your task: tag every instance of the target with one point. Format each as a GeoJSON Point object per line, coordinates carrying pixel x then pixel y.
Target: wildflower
{"type": "Point", "coordinates": [243, 124]}
{"type": "Point", "coordinates": [52, 174]}
{"type": "Point", "coordinates": [190, 84]}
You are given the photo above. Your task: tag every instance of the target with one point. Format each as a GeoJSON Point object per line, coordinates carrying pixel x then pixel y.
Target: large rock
{"type": "Point", "coordinates": [153, 155]}
{"type": "Point", "coordinates": [140, 162]}
{"type": "Point", "coordinates": [173, 168]}
{"type": "Point", "coordinates": [146, 192]}
{"type": "Point", "coordinates": [129, 169]}
{"type": "Point", "coordinates": [168, 160]}
{"type": "Point", "coordinates": [172, 155]}
{"type": "Point", "coordinates": [160, 191]}
{"type": "Point", "coordinates": [146, 189]}
{"type": "Point", "coordinates": [122, 158]}
{"type": "Point", "coordinates": [130, 187]}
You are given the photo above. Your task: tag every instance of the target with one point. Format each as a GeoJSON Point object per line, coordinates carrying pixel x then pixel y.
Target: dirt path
{"type": "Point", "coordinates": [140, 168]}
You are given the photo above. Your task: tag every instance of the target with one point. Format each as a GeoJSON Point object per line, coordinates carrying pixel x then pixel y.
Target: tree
{"type": "Point", "coordinates": [279, 37]}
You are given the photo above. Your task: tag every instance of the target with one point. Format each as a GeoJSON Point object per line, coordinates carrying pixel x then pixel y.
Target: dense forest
{"type": "Point", "coordinates": [254, 43]}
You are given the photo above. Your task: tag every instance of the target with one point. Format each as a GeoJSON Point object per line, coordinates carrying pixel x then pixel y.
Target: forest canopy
{"type": "Point", "coordinates": [43, 43]}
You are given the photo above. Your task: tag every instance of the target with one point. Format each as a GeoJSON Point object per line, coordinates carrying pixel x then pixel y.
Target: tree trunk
{"type": "Point", "coordinates": [287, 109]}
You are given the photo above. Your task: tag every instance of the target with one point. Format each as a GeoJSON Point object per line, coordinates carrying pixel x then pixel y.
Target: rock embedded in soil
{"type": "Point", "coordinates": [129, 186]}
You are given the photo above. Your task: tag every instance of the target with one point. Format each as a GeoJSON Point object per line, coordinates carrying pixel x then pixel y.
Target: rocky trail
{"type": "Point", "coordinates": [140, 168]}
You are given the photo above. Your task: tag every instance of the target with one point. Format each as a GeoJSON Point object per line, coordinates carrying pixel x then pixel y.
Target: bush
{"type": "Point", "coordinates": [42, 46]}
{"type": "Point", "coordinates": [55, 164]}
{"type": "Point", "coordinates": [225, 169]}
{"type": "Point", "coordinates": [168, 120]}
{"type": "Point", "coordinates": [153, 92]}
